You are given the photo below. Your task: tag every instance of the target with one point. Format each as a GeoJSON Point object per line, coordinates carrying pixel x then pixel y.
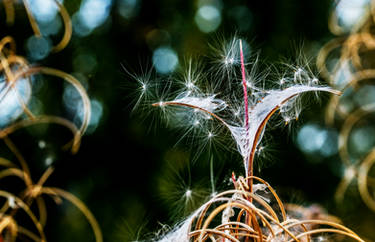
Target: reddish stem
{"type": "Point", "coordinates": [244, 85]}
{"type": "Point", "coordinates": [233, 180]}
{"type": "Point", "coordinates": [246, 101]}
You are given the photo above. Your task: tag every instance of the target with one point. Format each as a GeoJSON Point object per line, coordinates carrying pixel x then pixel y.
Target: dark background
{"type": "Point", "coordinates": [119, 169]}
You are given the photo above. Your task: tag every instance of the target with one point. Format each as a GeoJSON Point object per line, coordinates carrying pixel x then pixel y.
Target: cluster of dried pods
{"type": "Point", "coordinates": [15, 70]}
{"type": "Point", "coordinates": [346, 63]}
{"type": "Point", "coordinates": [250, 216]}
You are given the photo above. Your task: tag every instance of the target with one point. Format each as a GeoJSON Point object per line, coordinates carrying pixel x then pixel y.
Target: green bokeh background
{"type": "Point", "coordinates": [120, 170]}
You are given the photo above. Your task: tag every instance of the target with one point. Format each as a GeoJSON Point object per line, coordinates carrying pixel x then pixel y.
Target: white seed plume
{"type": "Point", "coordinates": [246, 126]}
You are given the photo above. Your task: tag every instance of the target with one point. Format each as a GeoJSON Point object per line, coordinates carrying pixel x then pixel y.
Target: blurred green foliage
{"type": "Point", "coordinates": [128, 171]}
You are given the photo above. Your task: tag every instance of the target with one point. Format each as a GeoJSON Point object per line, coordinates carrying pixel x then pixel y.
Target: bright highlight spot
{"type": "Point", "coordinates": [52, 27]}
{"type": "Point", "coordinates": [42, 144]}
{"type": "Point", "coordinates": [44, 10]}
{"type": "Point", "coordinates": [165, 60]}
{"type": "Point", "coordinates": [73, 104]}
{"type": "Point", "coordinates": [208, 18]}
{"type": "Point", "coordinates": [343, 75]}
{"type": "Point", "coordinates": [10, 106]}
{"type": "Point", "coordinates": [188, 193]}
{"type": "Point", "coordinates": [350, 12]}
{"type": "Point", "coordinates": [96, 115]}
{"type": "Point", "coordinates": [12, 202]}
{"type": "Point", "coordinates": [362, 139]}
{"type": "Point", "coordinates": [48, 161]}
{"type": "Point", "coordinates": [92, 14]}
{"type": "Point", "coordinates": [38, 47]}
{"type": "Point", "coordinates": [312, 139]}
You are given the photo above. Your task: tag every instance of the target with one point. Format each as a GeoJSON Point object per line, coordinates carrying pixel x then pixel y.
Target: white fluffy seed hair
{"type": "Point", "coordinates": [196, 97]}
{"type": "Point", "coordinates": [178, 234]}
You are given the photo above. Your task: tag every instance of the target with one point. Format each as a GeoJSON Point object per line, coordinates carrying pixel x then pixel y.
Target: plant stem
{"type": "Point", "coordinates": [249, 166]}
{"type": "Point", "coordinates": [244, 85]}
{"type": "Point", "coordinates": [212, 175]}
